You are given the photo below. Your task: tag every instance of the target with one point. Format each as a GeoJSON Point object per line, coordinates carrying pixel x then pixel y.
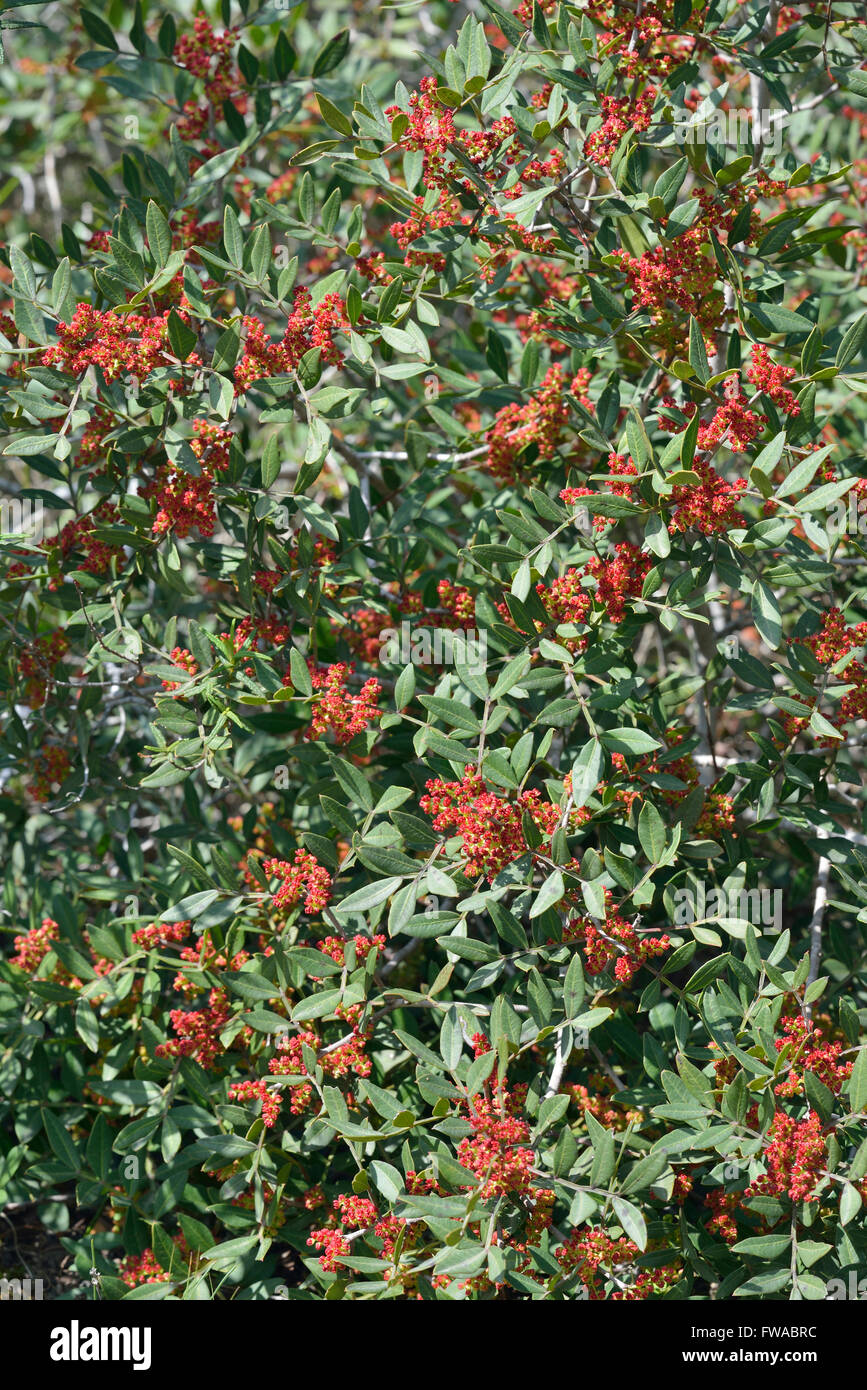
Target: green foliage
{"type": "Point", "coordinates": [431, 789]}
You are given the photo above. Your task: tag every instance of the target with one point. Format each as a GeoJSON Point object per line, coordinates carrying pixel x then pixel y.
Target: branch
{"type": "Point", "coordinates": [819, 903]}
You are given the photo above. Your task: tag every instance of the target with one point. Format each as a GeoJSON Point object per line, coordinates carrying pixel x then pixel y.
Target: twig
{"type": "Point", "coordinates": [819, 902]}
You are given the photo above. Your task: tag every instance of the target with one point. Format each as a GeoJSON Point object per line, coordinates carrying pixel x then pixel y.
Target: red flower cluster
{"type": "Point", "coordinates": [566, 600]}
{"type": "Point", "coordinates": [414, 227]}
{"type": "Point", "coordinates": [347, 1057]}
{"type": "Point", "coordinates": [145, 1268]}
{"type": "Point", "coordinates": [362, 633]}
{"type": "Point", "coordinates": [186, 661]}
{"type": "Point", "coordinates": [643, 41]}
{"type": "Point", "coordinates": [336, 709]}
{"type": "Point", "coordinates": [208, 56]}
{"type": "Point", "coordinates": [497, 1150]}
{"type": "Point", "coordinates": [610, 1113]}
{"type": "Point", "coordinates": [184, 500]}
{"type": "Point", "coordinates": [51, 767]}
{"type": "Point", "coordinates": [616, 941]}
{"type": "Point", "coordinates": [804, 1048]}
{"type": "Point", "coordinates": [772, 380]}
{"type": "Point", "coordinates": [620, 578]}
{"type": "Point", "coordinates": [257, 633]}
{"type": "Point", "coordinates": [620, 115]}
{"type": "Point", "coordinates": [733, 421]}
{"type": "Point", "coordinates": [78, 535]}
{"type": "Point", "coordinates": [539, 423]}
{"type": "Point", "coordinates": [833, 643]}
{"type": "Point", "coordinates": [205, 956]}
{"type": "Point", "coordinates": [307, 327]}
{"type": "Point", "coordinates": [430, 128]}
{"type": "Point", "coordinates": [683, 271]}
{"type": "Point", "coordinates": [836, 639]}
{"type": "Point", "coordinates": [491, 826]}
{"type": "Point", "coordinates": [259, 1090]}
{"type": "Point", "coordinates": [198, 1031]}
{"type": "Point", "coordinates": [92, 447]}
{"type": "Point", "coordinates": [36, 662]}
{"type": "Point", "coordinates": [620, 464]}
{"type": "Point", "coordinates": [332, 1242]}
{"type": "Point", "coordinates": [119, 344]}
{"type": "Point", "coordinates": [161, 934]}
{"type": "Point", "coordinates": [358, 1213]}
{"type": "Point", "coordinates": [710, 505]}
{"type": "Point", "coordinates": [459, 604]}
{"type": "Point", "coordinates": [569, 599]}
{"type": "Point", "coordinates": [717, 813]}
{"type": "Point", "coordinates": [600, 1261]}
{"type": "Point", "coordinates": [33, 946]}
{"type": "Point", "coordinates": [335, 947]}
{"type": "Point", "coordinates": [355, 1212]}
{"type": "Point", "coordinates": [794, 1155]}
{"type": "Point", "coordinates": [305, 877]}
{"type": "Point", "coordinates": [723, 1205]}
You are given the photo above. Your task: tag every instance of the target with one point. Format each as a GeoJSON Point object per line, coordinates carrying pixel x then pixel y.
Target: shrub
{"type": "Point", "coordinates": [432, 603]}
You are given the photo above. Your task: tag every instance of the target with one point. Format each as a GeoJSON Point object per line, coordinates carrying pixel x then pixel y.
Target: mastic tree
{"type": "Point", "coordinates": [432, 611]}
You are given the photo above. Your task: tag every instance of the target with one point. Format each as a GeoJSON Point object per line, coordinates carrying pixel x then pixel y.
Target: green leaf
{"type": "Point", "coordinates": [353, 782]}
{"type": "Point", "coordinates": [553, 891]}
{"type": "Point", "coordinates": [573, 987]}
{"type": "Point", "coordinates": [768, 458]}
{"type": "Point", "coordinates": [850, 1203]}
{"type": "Point", "coordinates": [86, 1025]}
{"type": "Point", "coordinates": [852, 342]}
{"type": "Point", "coordinates": [781, 320]}
{"type": "Point", "coordinates": [651, 832]}
{"type": "Point", "coordinates": [631, 1220]}
{"type": "Point", "coordinates": [587, 772]}
{"type": "Point", "coordinates": [251, 985]}
{"type": "Point", "coordinates": [766, 614]}
{"type": "Point", "coordinates": [766, 1247]}
{"type": "Point", "coordinates": [233, 239]}
{"type": "Point", "coordinates": [98, 1150]}
{"type": "Point", "coordinates": [803, 473]}
{"type": "Point", "coordinates": [682, 218]}
{"type": "Point", "coordinates": [404, 687]}
{"type": "Point", "coordinates": [629, 741]}
{"type": "Point", "coordinates": [159, 234]}
{"type": "Point", "coordinates": [271, 464]}
{"type": "Point", "coordinates": [371, 895]}
{"type": "Point", "coordinates": [318, 1006]}
{"type": "Point", "coordinates": [333, 116]}
{"type": "Point", "coordinates": [603, 1151]}
{"type": "Point", "coordinates": [669, 183]}
{"type": "Point", "coordinates": [856, 1086]}
{"type": "Point", "coordinates": [181, 336]}
{"type": "Point", "coordinates": [387, 1179]}
{"type": "Point", "coordinates": [513, 30]}
{"type": "Point", "coordinates": [332, 53]}
{"type": "Point", "coordinates": [761, 1284]}
{"type": "Point", "coordinates": [387, 861]}
{"type": "Point", "coordinates": [479, 1071]}
{"type": "Point", "coordinates": [97, 29]}
{"type": "Point", "coordinates": [61, 1141]}
{"type": "Point", "coordinates": [697, 352]}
